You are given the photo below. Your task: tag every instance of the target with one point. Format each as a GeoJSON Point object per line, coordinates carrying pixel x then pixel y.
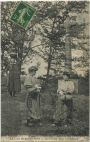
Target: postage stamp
{"type": "Point", "coordinates": [23, 14]}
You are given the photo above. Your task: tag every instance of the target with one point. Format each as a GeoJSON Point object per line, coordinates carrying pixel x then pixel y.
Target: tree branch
{"type": "Point", "coordinates": [32, 50]}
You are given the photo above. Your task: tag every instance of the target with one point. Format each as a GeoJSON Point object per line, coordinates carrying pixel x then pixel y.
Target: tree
{"type": "Point", "coordinates": [54, 33]}
{"type": "Point", "coordinates": [49, 24]}
{"type": "Point", "coordinates": [14, 38]}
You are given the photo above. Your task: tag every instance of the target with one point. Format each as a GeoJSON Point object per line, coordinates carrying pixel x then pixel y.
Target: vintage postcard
{"type": "Point", "coordinates": [45, 71]}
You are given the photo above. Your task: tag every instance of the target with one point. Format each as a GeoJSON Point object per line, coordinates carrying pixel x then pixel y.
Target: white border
{"type": "Point", "coordinates": [0, 47]}
{"type": "Point", "coordinates": [0, 71]}
{"type": "Point", "coordinates": [40, 0]}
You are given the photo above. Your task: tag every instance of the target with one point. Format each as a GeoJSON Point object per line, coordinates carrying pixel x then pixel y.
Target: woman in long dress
{"type": "Point", "coordinates": [64, 105]}
{"type": "Point", "coordinates": [14, 83]}
{"type": "Point", "coordinates": [32, 85]}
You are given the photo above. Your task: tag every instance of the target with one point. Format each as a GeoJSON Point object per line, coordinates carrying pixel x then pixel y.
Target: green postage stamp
{"type": "Point", "coordinates": [23, 14]}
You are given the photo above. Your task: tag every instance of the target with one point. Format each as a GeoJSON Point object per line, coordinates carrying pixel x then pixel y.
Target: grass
{"type": "Point", "coordinates": [13, 113]}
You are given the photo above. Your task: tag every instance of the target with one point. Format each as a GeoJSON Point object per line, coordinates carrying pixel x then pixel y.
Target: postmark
{"type": "Point", "coordinates": [23, 14]}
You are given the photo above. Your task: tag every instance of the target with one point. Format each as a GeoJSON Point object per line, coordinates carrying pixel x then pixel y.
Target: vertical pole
{"type": "Point", "coordinates": [68, 63]}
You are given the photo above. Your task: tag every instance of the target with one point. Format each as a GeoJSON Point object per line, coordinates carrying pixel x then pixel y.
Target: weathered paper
{"type": "Point", "coordinates": [55, 40]}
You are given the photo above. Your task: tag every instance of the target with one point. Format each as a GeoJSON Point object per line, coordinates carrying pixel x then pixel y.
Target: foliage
{"type": "Point", "coordinates": [49, 25]}
{"type": "Point", "coordinates": [53, 32]}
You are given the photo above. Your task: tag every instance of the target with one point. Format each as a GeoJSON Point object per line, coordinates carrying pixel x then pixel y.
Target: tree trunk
{"type": "Point", "coordinates": [20, 54]}
{"type": "Point", "coordinates": [49, 63]}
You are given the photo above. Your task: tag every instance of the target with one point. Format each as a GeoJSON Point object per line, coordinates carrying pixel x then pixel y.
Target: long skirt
{"type": "Point", "coordinates": [33, 106]}
{"type": "Point", "coordinates": [61, 110]}
{"type": "Point", "coordinates": [64, 108]}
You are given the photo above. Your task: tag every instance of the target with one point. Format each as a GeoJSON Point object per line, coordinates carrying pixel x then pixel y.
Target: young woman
{"type": "Point", "coordinates": [32, 85]}
{"type": "Point", "coordinates": [64, 105]}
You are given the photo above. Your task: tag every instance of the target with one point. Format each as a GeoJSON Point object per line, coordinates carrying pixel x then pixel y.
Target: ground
{"type": "Point", "coordinates": [13, 115]}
